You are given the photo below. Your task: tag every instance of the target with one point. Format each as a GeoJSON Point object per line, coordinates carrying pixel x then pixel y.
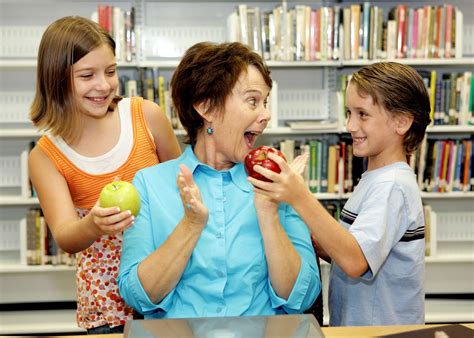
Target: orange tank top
{"type": "Point", "coordinates": [84, 187]}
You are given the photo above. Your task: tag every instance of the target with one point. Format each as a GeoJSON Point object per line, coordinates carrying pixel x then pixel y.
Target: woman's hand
{"type": "Point", "coordinates": [111, 221]}
{"type": "Point", "coordinates": [195, 211]}
{"type": "Point", "coordinates": [287, 185]}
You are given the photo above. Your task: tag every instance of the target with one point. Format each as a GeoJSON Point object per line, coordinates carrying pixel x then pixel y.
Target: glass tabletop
{"type": "Point", "coordinates": [281, 326]}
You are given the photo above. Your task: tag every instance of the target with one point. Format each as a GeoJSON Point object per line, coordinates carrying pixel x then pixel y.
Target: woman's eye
{"type": "Point", "coordinates": [265, 103]}
{"type": "Point", "coordinates": [253, 101]}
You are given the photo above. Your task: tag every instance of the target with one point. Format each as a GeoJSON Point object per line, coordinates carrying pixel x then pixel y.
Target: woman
{"type": "Point", "coordinates": [204, 244]}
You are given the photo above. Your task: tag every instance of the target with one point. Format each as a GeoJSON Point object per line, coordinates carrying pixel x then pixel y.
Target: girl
{"type": "Point", "coordinates": [92, 138]}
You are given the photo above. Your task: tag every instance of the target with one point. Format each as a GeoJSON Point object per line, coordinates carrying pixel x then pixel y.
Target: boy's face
{"type": "Point", "coordinates": [373, 130]}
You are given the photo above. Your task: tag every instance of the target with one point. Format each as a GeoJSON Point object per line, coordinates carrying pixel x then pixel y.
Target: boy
{"type": "Point", "coordinates": [377, 249]}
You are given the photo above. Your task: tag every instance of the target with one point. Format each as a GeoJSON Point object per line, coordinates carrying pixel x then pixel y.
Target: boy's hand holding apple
{"type": "Point", "coordinates": [260, 156]}
{"type": "Point", "coordinates": [284, 184]}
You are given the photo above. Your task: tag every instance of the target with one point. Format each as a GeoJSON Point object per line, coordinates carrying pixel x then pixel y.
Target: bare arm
{"type": "Point", "coordinates": [167, 145]}
{"type": "Point", "coordinates": [284, 262]}
{"type": "Point", "coordinates": [70, 232]}
{"type": "Point", "coordinates": [161, 271]}
{"type": "Point", "coordinates": [338, 243]}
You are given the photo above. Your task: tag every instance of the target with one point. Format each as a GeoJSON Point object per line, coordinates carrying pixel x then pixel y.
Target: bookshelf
{"type": "Point", "coordinates": [307, 90]}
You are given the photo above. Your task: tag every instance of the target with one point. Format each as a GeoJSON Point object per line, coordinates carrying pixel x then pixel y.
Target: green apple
{"type": "Point", "coordinates": [120, 194]}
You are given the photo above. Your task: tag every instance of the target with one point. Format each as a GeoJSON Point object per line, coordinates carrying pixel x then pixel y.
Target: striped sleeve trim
{"type": "Point", "coordinates": [347, 216]}
{"type": "Point", "coordinates": [413, 235]}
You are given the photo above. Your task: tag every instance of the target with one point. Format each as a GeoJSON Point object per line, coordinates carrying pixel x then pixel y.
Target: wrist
{"type": "Point", "coordinates": [92, 227]}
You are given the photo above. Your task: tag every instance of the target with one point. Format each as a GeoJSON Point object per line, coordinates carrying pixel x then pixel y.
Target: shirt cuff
{"type": "Point", "coordinates": [141, 297]}
{"type": "Point", "coordinates": [300, 290]}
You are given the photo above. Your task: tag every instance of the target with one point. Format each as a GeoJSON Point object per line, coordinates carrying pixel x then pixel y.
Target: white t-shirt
{"type": "Point", "coordinates": [385, 215]}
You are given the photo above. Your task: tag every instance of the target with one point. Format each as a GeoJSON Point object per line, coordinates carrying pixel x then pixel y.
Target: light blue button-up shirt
{"type": "Point", "coordinates": [227, 274]}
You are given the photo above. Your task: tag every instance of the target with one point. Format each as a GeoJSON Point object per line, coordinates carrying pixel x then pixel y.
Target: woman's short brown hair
{"type": "Point", "coordinates": [209, 72]}
{"type": "Point", "coordinates": [63, 43]}
{"type": "Point", "coordinates": [400, 90]}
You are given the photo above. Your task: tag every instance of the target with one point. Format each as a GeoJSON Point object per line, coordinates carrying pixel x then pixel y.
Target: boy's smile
{"type": "Point", "coordinates": [373, 130]}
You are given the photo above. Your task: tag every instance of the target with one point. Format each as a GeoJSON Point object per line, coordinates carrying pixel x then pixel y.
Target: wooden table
{"type": "Point", "coordinates": [374, 331]}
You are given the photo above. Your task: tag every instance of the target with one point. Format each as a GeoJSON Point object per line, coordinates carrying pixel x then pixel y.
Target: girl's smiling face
{"type": "Point", "coordinates": [95, 81]}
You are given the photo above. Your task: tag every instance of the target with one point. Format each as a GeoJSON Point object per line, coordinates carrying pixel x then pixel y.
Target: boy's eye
{"type": "Point", "coordinates": [85, 76]}
{"type": "Point", "coordinates": [112, 72]}
{"type": "Point", "coordinates": [348, 113]}
{"type": "Point", "coordinates": [253, 101]}
{"type": "Point", "coordinates": [265, 103]}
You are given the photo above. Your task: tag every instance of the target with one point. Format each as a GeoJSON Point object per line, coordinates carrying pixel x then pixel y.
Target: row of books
{"type": "Point", "coordinates": [37, 245]}
{"type": "Point", "coordinates": [451, 96]}
{"type": "Point", "coordinates": [445, 165]}
{"type": "Point", "coordinates": [120, 24]}
{"type": "Point", "coordinates": [151, 86]}
{"type": "Point", "coordinates": [331, 167]}
{"type": "Point", "coordinates": [358, 31]}
{"type": "Point", "coordinates": [441, 165]}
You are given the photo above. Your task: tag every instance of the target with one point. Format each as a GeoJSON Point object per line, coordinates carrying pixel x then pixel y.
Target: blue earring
{"type": "Point", "coordinates": [209, 131]}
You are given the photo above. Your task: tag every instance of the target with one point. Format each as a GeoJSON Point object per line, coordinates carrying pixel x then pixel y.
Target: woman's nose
{"type": "Point", "coordinates": [265, 115]}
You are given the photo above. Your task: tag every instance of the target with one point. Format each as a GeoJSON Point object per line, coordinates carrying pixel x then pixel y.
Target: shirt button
{"type": "Point", "coordinates": [220, 274]}
{"type": "Point", "coordinates": [219, 309]}
{"type": "Point", "coordinates": [219, 235]}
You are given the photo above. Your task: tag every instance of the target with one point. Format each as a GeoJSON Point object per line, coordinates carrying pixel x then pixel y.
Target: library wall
{"type": "Point", "coordinates": [308, 115]}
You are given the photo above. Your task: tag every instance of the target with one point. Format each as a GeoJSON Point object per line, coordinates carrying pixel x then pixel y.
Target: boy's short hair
{"type": "Point", "coordinates": [65, 41]}
{"type": "Point", "coordinates": [400, 90]}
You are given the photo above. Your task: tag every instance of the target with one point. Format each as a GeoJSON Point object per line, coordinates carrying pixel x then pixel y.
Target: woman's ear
{"type": "Point", "coordinates": [203, 109]}
{"type": "Point", "coordinates": [403, 123]}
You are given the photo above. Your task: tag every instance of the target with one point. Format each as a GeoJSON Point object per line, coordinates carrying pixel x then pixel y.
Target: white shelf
{"type": "Point", "coordinates": [323, 128]}
{"type": "Point", "coordinates": [449, 311]}
{"type": "Point", "coordinates": [31, 63]}
{"type": "Point", "coordinates": [450, 129]}
{"type": "Point", "coordinates": [432, 195]}
{"type": "Point", "coordinates": [40, 322]}
{"type": "Point", "coordinates": [21, 268]}
{"type": "Point", "coordinates": [447, 195]}
{"type": "Point", "coordinates": [451, 259]}
{"type": "Point", "coordinates": [19, 133]}
{"type": "Point", "coordinates": [465, 61]}
{"type": "Point", "coordinates": [173, 63]}
{"type": "Point", "coordinates": [18, 200]}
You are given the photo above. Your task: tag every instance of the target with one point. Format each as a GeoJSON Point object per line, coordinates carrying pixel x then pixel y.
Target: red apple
{"type": "Point", "coordinates": [259, 156]}
{"type": "Point", "coordinates": [120, 194]}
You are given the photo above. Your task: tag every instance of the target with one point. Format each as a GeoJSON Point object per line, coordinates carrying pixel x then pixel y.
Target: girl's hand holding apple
{"type": "Point", "coordinates": [115, 211]}
{"type": "Point", "coordinates": [111, 221]}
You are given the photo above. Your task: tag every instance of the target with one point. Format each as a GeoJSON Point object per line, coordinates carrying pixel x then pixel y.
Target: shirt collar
{"type": "Point", "coordinates": [237, 172]}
